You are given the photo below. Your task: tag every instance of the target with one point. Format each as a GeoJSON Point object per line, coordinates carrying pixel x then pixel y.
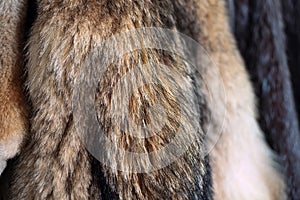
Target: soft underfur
{"type": "Point", "coordinates": [54, 163]}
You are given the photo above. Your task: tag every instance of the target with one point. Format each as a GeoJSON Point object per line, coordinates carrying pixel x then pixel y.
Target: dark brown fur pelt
{"type": "Point", "coordinates": [13, 106]}
{"type": "Point", "coordinates": [266, 35]}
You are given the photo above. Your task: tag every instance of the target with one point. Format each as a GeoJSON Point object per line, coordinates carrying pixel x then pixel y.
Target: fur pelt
{"type": "Point", "coordinates": [267, 37]}
{"type": "Point", "coordinates": [13, 106]}
{"type": "Point", "coordinates": [291, 17]}
{"type": "Point", "coordinates": [54, 163]}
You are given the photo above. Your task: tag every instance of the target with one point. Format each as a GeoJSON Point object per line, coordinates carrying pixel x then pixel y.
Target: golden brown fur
{"type": "Point", "coordinates": [13, 110]}
{"type": "Point", "coordinates": [54, 163]}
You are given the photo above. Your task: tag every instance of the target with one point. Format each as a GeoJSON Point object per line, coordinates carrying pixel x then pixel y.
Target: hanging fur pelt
{"type": "Point", "coordinates": [267, 34]}
{"type": "Point", "coordinates": [64, 41]}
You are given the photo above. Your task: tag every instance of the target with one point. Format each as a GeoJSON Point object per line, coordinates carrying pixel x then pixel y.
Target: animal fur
{"type": "Point", "coordinates": [241, 153]}
{"type": "Point", "coordinates": [260, 33]}
{"type": "Point", "coordinates": [54, 163]}
{"type": "Point", "coordinates": [291, 16]}
{"type": "Point", "coordinates": [13, 108]}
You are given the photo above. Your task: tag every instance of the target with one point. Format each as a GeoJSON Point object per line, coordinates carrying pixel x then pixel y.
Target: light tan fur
{"type": "Point", "coordinates": [242, 163]}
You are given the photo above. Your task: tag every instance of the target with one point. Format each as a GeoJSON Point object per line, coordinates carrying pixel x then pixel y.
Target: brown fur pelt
{"type": "Point", "coordinates": [54, 163]}
{"type": "Point", "coordinates": [13, 106]}
{"type": "Point", "coordinates": [265, 31]}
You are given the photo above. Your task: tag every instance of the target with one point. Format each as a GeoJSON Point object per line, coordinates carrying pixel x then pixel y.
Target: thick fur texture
{"type": "Point", "coordinates": [259, 29]}
{"type": "Point", "coordinates": [54, 163]}
{"type": "Point", "coordinates": [13, 109]}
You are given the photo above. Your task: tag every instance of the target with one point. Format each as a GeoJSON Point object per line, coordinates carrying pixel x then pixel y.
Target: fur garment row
{"type": "Point", "coordinates": [46, 50]}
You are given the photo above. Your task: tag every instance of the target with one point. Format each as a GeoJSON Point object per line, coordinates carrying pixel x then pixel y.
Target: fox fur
{"type": "Point", "coordinates": [54, 163]}
{"type": "Point", "coordinates": [266, 35]}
